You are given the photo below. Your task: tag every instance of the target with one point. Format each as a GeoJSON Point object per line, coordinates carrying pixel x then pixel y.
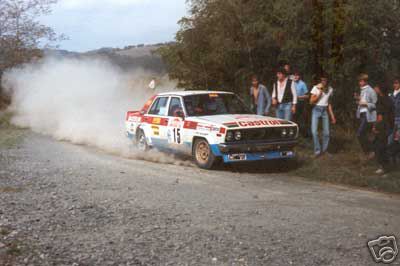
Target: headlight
{"type": "Point", "coordinates": [284, 132]}
{"type": "Point", "coordinates": [229, 136]}
{"type": "Point", "coordinates": [292, 132]}
{"type": "Point", "coordinates": [238, 135]}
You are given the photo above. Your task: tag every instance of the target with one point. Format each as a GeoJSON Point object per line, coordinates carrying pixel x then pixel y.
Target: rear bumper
{"type": "Point", "coordinates": [255, 151]}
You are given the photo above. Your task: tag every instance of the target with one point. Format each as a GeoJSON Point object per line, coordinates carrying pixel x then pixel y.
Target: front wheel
{"type": "Point", "coordinates": [203, 155]}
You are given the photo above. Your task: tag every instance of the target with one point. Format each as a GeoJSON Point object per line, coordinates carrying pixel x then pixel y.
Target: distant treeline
{"type": "Point", "coordinates": [129, 58]}
{"type": "Point", "coordinates": [222, 42]}
{"type": "Point", "coordinates": [152, 63]}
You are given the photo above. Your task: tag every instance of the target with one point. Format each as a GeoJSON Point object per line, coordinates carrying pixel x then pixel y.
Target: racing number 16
{"type": "Point", "coordinates": [177, 135]}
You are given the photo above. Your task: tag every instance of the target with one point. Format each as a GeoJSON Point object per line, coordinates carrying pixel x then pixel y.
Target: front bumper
{"type": "Point", "coordinates": [238, 152]}
{"type": "Point", "coordinates": [257, 147]}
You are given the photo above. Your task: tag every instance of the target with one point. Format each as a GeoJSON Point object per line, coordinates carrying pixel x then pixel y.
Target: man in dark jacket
{"type": "Point", "coordinates": [284, 96]}
{"type": "Point", "coordinates": [394, 147]}
{"type": "Point", "coordinates": [383, 128]}
{"type": "Point", "coordinates": [396, 102]}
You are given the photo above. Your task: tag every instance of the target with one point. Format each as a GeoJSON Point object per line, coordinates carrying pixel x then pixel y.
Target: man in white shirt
{"type": "Point", "coordinates": [320, 98]}
{"type": "Point", "coordinates": [284, 96]}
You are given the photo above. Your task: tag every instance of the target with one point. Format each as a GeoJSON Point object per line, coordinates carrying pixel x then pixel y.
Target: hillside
{"type": "Point", "coordinates": [128, 58]}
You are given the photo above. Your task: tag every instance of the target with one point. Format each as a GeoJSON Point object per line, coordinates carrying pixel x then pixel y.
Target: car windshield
{"type": "Point", "coordinates": [214, 104]}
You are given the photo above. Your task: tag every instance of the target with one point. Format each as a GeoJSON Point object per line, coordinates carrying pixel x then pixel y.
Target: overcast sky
{"type": "Point", "coordinates": [92, 24]}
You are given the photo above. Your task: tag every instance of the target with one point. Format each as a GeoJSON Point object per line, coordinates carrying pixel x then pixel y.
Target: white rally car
{"type": "Point", "coordinates": [210, 125]}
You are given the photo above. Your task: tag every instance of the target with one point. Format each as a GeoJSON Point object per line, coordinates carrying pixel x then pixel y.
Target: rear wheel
{"type": "Point", "coordinates": [141, 142]}
{"type": "Point", "coordinates": [203, 155]}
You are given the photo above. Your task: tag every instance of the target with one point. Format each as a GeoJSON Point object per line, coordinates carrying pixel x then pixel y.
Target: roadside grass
{"type": "Point", "coordinates": [347, 165]}
{"type": "Point", "coordinates": [10, 136]}
{"type": "Point", "coordinates": [4, 231]}
{"type": "Point", "coordinates": [14, 249]}
{"type": "Point", "coordinates": [4, 101]}
{"type": "Point", "coordinates": [10, 190]}
{"type": "Point", "coordinates": [5, 120]}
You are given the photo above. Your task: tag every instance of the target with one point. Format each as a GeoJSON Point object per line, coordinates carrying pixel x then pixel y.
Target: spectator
{"type": "Point", "coordinates": [396, 102]}
{"type": "Point", "coordinates": [260, 97]}
{"type": "Point", "coordinates": [284, 96]}
{"type": "Point", "coordinates": [383, 128]}
{"type": "Point", "coordinates": [394, 148]}
{"type": "Point", "coordinates": [366, 113]}
{"type": "Point", "coordinates": [302, 96]}
{"type": "Point", "coordinates": [320, 98]}
{"type": "Point", "coordinates": [288, 70]}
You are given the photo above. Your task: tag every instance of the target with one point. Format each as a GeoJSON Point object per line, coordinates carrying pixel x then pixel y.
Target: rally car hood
{"type": "Point", "coordinates": [243, 121]}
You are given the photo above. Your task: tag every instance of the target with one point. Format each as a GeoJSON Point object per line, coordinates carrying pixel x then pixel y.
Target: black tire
{"type": "Point", "coordinates": [141, 142]}
{"type": "Point", "coordinates": [202, 154]}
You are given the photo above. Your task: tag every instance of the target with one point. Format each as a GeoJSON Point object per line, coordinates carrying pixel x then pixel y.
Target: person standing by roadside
{"type": "Point", "coordinates": [260, 97]}
{"type": "Point", "coordinates": [322, 110]}
{"type": "Point", "coordinates": [394, 147]}
{"type": "Point", "coordinates": [302, 96]}
{"type": "Point", "coordinates": [284, 96]}
{"type": "Point", "coordinates": [288, 70]}
{"type": "Point", "coordinates": [366, 113]}
{"type": "Point", "coordinates": [383, 128]}
{"type": "Point", "coordinates": [396, 102]}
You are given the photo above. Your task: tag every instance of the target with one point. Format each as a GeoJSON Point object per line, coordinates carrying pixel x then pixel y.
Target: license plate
{"type": "Point", "coordinates": [237, 157]}
{"type": "Point", "coordinates": [287, 154]}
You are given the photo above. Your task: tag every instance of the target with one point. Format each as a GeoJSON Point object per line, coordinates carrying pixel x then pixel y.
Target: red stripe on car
{"type": "Point", "coordinates": [190, 125]}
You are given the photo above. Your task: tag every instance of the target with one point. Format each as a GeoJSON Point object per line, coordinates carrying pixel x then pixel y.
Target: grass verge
{"type": "Point", "coordinates": [10, 136]}
{"type": "Point", "coordinates": [10, 190]}
{"type": "Point", "coordinates": [347, 166]}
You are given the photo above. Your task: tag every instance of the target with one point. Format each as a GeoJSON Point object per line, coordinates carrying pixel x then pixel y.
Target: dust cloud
{"type": "Point", "coordinates": [83, 101]}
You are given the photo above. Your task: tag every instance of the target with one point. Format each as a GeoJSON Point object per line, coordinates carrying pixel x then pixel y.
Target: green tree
{"type": "Point", "coordinates": [222, 42]}
{"type": "Point", "coordinates": [21, 34]}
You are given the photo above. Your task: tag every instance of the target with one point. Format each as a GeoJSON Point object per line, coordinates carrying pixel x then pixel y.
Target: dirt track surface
{"type": "Point", "coordinates": [62, 204]}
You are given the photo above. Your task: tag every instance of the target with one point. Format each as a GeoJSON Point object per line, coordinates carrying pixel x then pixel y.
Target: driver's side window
{"type": "Point", "coordinates": [159, 107]}
{"type": "Point", "coordinates": [175, 107]}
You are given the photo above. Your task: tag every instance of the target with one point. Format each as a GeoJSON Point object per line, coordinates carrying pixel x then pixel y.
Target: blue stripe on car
{"type": "Point", "coordinates": [272, 155]}
{"type": "Point", "coordinates": [215, 150]}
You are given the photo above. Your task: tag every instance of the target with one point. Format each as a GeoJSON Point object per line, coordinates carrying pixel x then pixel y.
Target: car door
{"type": "Point", "coordinates": [176, 119]}
{"type": "Point", "coordinates": [157, 121]}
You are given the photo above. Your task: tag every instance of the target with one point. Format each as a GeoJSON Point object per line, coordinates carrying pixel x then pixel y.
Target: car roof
{"type": "Point", "coordinates": [187, 93]}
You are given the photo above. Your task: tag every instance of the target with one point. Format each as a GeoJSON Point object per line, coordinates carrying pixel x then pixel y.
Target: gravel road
{"type": "Point", "coordinates": [62, 204]}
